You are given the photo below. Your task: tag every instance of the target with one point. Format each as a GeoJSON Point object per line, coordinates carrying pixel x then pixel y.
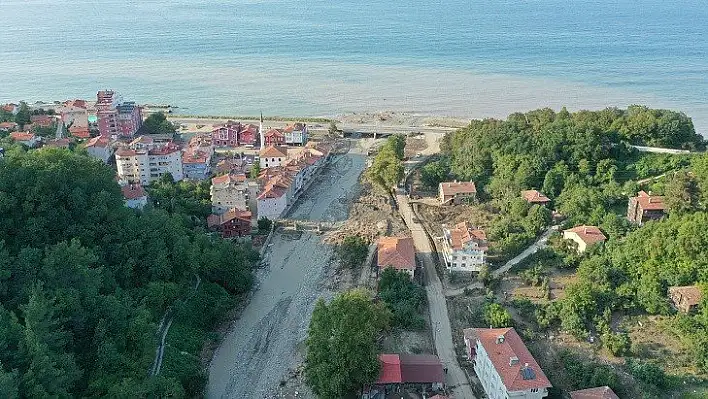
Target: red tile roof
{"type": "Point", "coordinates": [462, 233]}
{"type": "Point", "coordinates": [229, 178]}
{"type": "Point", "coordinates": [8, 125]}
{"type": "Point", "coordinates": [535, 197]}
{"type": "Point", "coordinates": [99, 141]}
{"type": "Point", "coordinates": [588, 234]}
{"type": "Point", "coordinates": [501, 352]}
{"type": "Point", "coordinates": [454, 188]}
{"type": "Point", "coordinates": [231, 214]}
{"type": "Point", "coordinates": [22, 136]}
{"type": "Point", "coordinates": [60, 143]}
{"type": "Point", "coordinates": [194, 156]}
{"type": "Point", "coordinates": [81, 132]}
{"type": "Point", "coordinates": [396, 252]}
{"type": "Point", "coordinates": [410, 369]}
{"type": "Point", "coordinates": [273, 151]}
{"type": "Point", "coordinates": [594, 393]}
{"type": "Point", "coordinates": [650, 202]}
{"type": "Point", "coordinates": [133, 191]}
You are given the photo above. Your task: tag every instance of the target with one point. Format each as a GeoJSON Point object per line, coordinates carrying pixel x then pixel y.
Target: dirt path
{"type": "Point", "coordinates": [262, 345]}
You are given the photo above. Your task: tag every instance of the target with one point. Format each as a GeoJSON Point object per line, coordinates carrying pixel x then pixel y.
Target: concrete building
{"type": "Point", "coordinates": [229, 191]}
{"type": "Point", "coordinates": [144, 161]}
{"type": "Point", "coordinates": [100, 147]}
{"type": "Point", "coordinates": [645, 207]}
{"type": "Point", "coordinates": [457, 192]}
{"type": "Point", "coordinates": [115, 117]}
{"type": "Point", "coordinates": [584, 236]}
{"type": "Point", "coordinates": [74, 113]}
{"type": "Point", "coordinates": [272, 156]}
{"type": "Point", "coordinates": [134, 196]}
{"type": "Point", "coordinates": [295, 134]}
{"type": "Point", "coordinates": [464, 248]}
{"type": "Point", "coordinates": [196, 164]}
{"type": "Point", "coordinates": [398, 253]}
{"type": "Point", "coordinates": [504, 365]}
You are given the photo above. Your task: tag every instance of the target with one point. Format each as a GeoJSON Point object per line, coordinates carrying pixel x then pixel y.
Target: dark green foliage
{"type": "Point", "coordinates": [387, 168]}
{"type": "Point", "coordinates": [581, 373]}
{"type": "Point", "coordinates": [342, 349]}
{"type": "Point", "coordinates": [255, 170]}
{"type": "Point", "coordinates": [403, 297]}
{"type": "Point", "coordinates": [157, 123]}
{"type": "Point", "coordinates": [23, 115]}
{"type": "Point", "coordinates": [84, 282]}
{"type": "Point", "coordinates": [435, 172]}
{"type": "Point", "coordinates": [264, 225]}
{"type": "Point", "coordinates": [681, 193]}
{"type": "Point", "coordinates": [191, 198]}
{"type": "Point", "coordinates": [647, 372]}
{"type": "Point", "coordinates": [352, 251]}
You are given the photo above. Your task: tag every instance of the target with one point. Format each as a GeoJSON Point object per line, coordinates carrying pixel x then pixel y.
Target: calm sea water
{"type": "Point", "coordinates": [322, 57]}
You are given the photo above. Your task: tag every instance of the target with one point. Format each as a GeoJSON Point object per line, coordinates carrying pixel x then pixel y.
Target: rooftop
{"type": "Point", "coordinates": [133, 191]}
{"type": "Point", "coordinates": [454, 188]}
{"type": "Point", "coordinates": [22, 136]}
{"type": "Point", "coordinates": [588, 234]}
{"type": "Point", "coordinates": [412, 369]}
{"type": "Point", "coordinates": [231, 214]}
{"type": "Point", "coordinates": [650, 202]}
{"type": "Point", "coordinates": [273, 151]}
{"type": "Point", "coordinates": [594, 393]}
{"type": "Point", "coordinates": [98, 142]}
{"type": "Point", "coordinates": [513, 362]}
{"type": "Point", "coordinates": [535, 197]}
{"type": "Point", "coordinates": [396, 252]}
{"type": "Point", "coordinates": [462, 233]}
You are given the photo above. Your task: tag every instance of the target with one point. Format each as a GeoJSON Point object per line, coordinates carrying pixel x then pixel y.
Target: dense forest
{"type": "Point", "coordinates": [586, 164]}
{"type": "Point", "coordinates": [85, 282]}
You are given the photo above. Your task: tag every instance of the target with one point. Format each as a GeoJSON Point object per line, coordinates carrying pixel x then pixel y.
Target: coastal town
{"type": "Point", "coordinates": [462, 273]}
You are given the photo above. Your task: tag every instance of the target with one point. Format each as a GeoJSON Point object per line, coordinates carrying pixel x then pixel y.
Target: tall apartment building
{"type": "Point", "coordinates": [116, 117]}
{"type": "Point", "coordinates": [145, 161]}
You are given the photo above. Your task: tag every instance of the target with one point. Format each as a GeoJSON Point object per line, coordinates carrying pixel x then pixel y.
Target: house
{"type": "Point", "coordinates": [424, 372]}
{"type": "Point", "coordinates": [457, 192]}
{"type": "Point", "coordinates": [248, 134]}
{"type": "Point", "coordinates": [29, 139]}
{"type": "Point", "coordinates": [229, 191]}
{"type": "Point", "coordinates": [8, 126]}
{"type": "Point", "coordinates": [398, 253]}
{"type": "Point", "coordinates": [685, 299]}
{"type": "Point", "coordinates": [295, 134]}
{"type": "Point", "coordinates": [42, 120]}
{"type": "Point", "coordinates": [535, 197]}
{"type": "Point", "coordinates": [74, 113]}
{"type": "Point", "coordinates": [59, 143]}
{"type": "Point", "coordinates": [134, 196]}
{"type": "Point", "coordinates": [80, 132]}
{"type": "Point", "coordinates": [226, 135]}
{"type": "Point", "coordinates": [584, 236]}
{"type": "Point", "coordinates": [464, 248]}
{"type": "Point", "coordinates": [594, 393]}
{"type": "Point", "coordinates": [504, 365]}
{"type": "Point", "coordinates": [273, 199]}
{"type": "Point", "coordinates": [100, 147]}
{"type": "Point", "coordinates": [11, 108]}
{"type": "Point", "coordinates": [145, 161]}
{"type": "Point", "coordinates": [645, 207]}
{"type": "Point", "coordinates": [233, 223]}
{"type": "Point", "coordinates": [272, 156]}
{"type": "Point", "coordinates": [196, 164]}
{"type": "Point", "coordinates": [273, 137]}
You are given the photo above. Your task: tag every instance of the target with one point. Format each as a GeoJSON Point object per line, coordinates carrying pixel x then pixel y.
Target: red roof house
{"type": "Point", "coordinates": [645, 207]}
{"type": "Point", "coordinates": [535, 197]}
{"type": "Point", "coordinates": [584, 236]}
{"type": "Point", "coordinates": [411, 369]}
{"type": "Point", "coordinates": [398, 253]}
{"type": "Point", "coordinates": [457, 192]}
{"type": "Point", "coordinates": [233, 223]}
{"type": "Point", "coordinates": [501, 359]}
{"type": "Point", "coordinates": [594, 393]}
{"type": "Point", "coordinates": [274, 137]}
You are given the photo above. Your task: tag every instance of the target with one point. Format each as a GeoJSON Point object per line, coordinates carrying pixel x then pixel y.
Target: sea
{"type": "Point", "coordinates": [460, 58]}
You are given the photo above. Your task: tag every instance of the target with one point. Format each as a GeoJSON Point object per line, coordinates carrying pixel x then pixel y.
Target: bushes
{"type": "Point", "coordinates": [496, 316]}
{"type": "Point", "coordinates": [403, 297]}
{"type": "Point", "coordinates": [352, 251]}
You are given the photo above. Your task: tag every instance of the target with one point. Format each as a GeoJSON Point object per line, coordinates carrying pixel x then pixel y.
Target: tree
{"type": "Point", "coordinates": [403, 297]}
{"type": "Point", "coordinates": [352, 251]}
{"type": "Point", "coordinates": [23, 115]}
{"type": "Point", "coordinates": [255, 170]}
{"type": "Point", "coordinates": [681, 193]}
{"type": "Point", "coordinates": [264, 225]}
{"type": "Point", "coordinates": [342, 350]}
{"type": "Point", "coordinates": [333, 130]}
{"type": "Point", "coordinates": [435, 173]}
{"type": "Point", "coordinates": [496, 316]}
{"type": "Point", "coordinates": [157, 123]}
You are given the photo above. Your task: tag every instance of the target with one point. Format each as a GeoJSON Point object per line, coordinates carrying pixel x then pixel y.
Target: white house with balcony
{"type": "Point", "coordinates": [504, 365]}
{"type": "Point", "coordinates": [464, 248]}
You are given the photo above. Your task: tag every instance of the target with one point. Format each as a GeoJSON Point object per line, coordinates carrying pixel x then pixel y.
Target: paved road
{"type": "Point", "coordinates": [266, 341]}
{"type": "Point", "coordinates": [540, 243]}
{"type": "Point", "coordinates": [440, 321]}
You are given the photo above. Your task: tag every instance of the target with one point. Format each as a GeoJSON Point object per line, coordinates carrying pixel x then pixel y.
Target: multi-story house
{"type": "Point", "coordinates": [144, 161]}
{"type": "Point", "coordinates": [229, 191]}
{"type": "Point", "coordinates": [74, 113]}
{"type": "Point", "coordinates": [464, 248]}
{"type": "Point", "coordinates": [273, 137]}
{"type": "Point", "coordinates": [457, 192]}
{"type": "Point", "coordinates": [584, 236]}
{"type": "Point", "coordinates": [645, 207]}
{"type": "Point", "coordinates": [100, 147]}
{"type": "Point", "coordinates": [504, 365]}
{"type": "Point", "coordinates": [233, 223]}
{"type": "Point", "coordinates": [272, 156]}
{"type": "Point", "coordinates": [29, 139]}
{"type": "Point", "coordinates": [115, 117]}
{"type": "Point", "coordinates": [273, 199]}
{"type": "Point", "coordinates": [196, 163]}
{"type": "Point", "coordinates": [226, 135]}
{"type": "Point", "coordinates": [295, 134]}
{"type": "Point", "coordinates": [134, 196]}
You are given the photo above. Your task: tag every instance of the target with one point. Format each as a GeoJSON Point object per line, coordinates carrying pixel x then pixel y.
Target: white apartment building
{"type": "Point", "coordinates": [100, 147]}
{"type": "Point", "coordinates": [504, 365]}
{"type": "Point", "coordinates": [144, 163]}
{"type": "Point", "coordinates": [464, 248]}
